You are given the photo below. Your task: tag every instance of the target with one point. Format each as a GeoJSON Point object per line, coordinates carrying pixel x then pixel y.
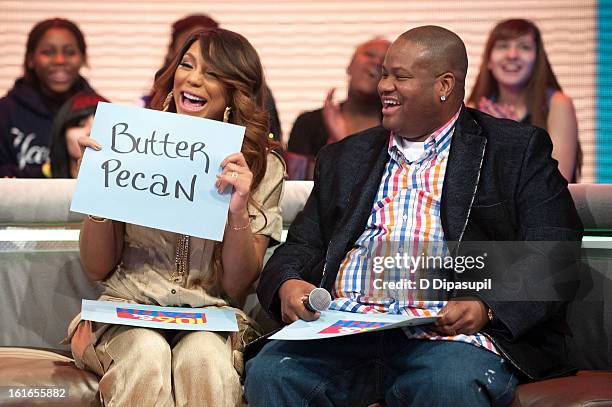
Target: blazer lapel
{"type": "Point", "coordinates": [361, 200]}
{"type": "Point", "coordinates": [462, 175]}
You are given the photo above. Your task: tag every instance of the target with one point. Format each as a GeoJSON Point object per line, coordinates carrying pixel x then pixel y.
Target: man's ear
{"type": "Point", "coordinates": [446, 84]}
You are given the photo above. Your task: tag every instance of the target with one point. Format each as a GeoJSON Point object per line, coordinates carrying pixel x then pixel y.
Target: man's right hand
{"type": "Point", "coordinates": [292, 294]}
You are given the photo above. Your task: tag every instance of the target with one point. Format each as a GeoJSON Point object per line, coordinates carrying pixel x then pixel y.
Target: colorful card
{"type": "Point", "coordinates": [152, 316]}
{"type": "Point", "coordinates": [157, 169]}
{"type": "Point", "coordinates": [339, 323]}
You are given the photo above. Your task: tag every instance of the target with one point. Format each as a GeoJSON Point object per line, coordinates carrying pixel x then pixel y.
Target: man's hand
{"type": "Point", "coordinates": [462, 317]}
{"type": "Point", "coordinates": [292, 294]}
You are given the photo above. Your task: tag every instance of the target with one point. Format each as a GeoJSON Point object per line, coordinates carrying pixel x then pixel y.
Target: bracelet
{"type": "Point", "coordinates": [242, 227]}
{"type": "Point", "coordinates": [97, 219]}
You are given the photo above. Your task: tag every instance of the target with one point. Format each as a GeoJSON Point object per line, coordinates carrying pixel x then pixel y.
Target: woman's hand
{"type": "Point", "coordinates": [497, 110]}
{"type": "Point", "coordinates": [84, 142]}
{"type": "Point", "coordinates": [236, 173]}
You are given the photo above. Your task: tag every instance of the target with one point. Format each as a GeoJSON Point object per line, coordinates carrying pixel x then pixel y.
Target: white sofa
{"type": "Point", "coordinates": [42, 285]}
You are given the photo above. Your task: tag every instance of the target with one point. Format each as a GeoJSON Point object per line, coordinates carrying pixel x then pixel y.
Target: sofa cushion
{"type": "Point", "coordinates": [26, 368]}
{"type": "Point", "coordinates": [588, 388]}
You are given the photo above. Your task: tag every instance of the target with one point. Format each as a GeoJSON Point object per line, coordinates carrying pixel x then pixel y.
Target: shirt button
{"type": "Point", "coordinates": [173, 291]}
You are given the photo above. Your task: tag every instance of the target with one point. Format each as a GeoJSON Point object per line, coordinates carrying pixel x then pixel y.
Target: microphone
{"type": "Point", "coordinates": [318, 300]}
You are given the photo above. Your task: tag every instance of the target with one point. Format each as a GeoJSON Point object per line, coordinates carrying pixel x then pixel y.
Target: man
{"type": "Point", "coordinates": [437, 171]}
{"type": "Point", "coordinates": [360, 111]}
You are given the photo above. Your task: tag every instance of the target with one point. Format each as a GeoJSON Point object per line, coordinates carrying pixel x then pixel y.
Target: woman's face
{"type": "Point", "coordinates": [511, 61]}
{"type": "Point", "coordinates": [83, 128]}
{"type": "Point", "coordinates": [197, 89]}
{"type": "Point", "coordinates": [56, 60]}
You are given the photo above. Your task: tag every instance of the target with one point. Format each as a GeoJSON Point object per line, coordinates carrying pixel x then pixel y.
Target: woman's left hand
{"type": "Point", "coordinates": [236, 173]}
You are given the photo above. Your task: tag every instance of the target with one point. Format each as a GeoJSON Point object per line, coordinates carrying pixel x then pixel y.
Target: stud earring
{"type": "Point", "coordinates": [226, 114]}
{"type": "Point", "coordinates": [442, 98]}
{"type": "Point", "coordinates": [167, 101]}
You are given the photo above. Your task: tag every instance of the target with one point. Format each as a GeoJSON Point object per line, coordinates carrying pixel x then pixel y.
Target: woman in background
{"type": "Point", "coordinates": [55, 53]}
{"type": "Point", "coordinates": [73, 120]}
{"type": "Point", "coordinates": [516, 82]}
{"type": "Point", "coordinates": [216, 75]}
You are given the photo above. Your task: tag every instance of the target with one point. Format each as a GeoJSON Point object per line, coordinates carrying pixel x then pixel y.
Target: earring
{"type": "Point", "coordinates": [442, 98]}
{"type": "Point", "coordinates": [226, 114]}
{"type": "Point", "coordinates": [167, 101]}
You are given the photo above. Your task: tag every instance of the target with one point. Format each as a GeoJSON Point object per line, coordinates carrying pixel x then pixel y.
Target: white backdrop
{"type": "Point", "coordinates": [304, 45]}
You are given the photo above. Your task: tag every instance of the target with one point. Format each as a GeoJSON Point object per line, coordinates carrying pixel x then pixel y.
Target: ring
{"type": "Point", "coordinates": [234, 174]}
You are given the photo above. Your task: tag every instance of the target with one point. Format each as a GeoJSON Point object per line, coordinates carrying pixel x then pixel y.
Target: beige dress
{"type": "Point", "coordinates": [148, 367]}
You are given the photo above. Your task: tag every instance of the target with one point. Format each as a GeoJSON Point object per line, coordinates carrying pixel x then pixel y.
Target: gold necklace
{"type": "Point", "coordinates": [181, 259]}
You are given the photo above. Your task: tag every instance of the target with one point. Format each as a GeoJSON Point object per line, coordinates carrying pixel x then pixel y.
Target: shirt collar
{"type": "Point", "coordinates": [437, 143]}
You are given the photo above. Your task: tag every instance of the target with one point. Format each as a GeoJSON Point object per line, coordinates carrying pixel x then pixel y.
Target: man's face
{"type": "Point", "coordinates": [364, 69]}
{"type": "Point", "coordinates": [407, 91]}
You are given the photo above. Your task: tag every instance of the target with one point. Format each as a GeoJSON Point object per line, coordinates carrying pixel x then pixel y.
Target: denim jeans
{"type": "Point", "coordinates": [361, 369]}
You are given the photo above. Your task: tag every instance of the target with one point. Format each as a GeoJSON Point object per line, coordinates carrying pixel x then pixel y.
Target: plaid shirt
{"type": "Point", "coordinates": [405, 218]}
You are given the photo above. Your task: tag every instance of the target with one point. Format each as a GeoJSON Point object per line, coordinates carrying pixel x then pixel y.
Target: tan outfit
{"type": "Point", "coordinates": [148, 367]}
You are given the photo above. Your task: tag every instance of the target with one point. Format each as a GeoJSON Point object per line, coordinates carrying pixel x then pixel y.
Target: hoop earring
{"type": "Point", "coordinates": [226, 114]}
{"type": "Point", "coordinates": [167, 101]}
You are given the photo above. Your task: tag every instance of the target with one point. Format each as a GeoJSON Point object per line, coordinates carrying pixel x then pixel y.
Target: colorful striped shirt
{"type": "Point", "coordinates": [404, 224]}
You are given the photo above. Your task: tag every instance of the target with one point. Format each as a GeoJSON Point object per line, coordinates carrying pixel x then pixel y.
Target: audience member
{"type": "Point", "coordinates": [216, 74]}
{"type": "Point", "coordinates": [517, 82]}
{"type": "Point", "coordinates": [361, 110]}
{"type": "Point", "coordinates": [55, 52]}
{"type": "Point", "coordinates": [436, 172]}
{"type": "Point", "coordinates": [73, 120]}
{"type": "Point", "coordinates": [181, 30]}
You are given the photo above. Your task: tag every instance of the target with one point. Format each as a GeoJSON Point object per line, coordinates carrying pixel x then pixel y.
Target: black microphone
{"type": "Point", "coordinates": [318, 300]}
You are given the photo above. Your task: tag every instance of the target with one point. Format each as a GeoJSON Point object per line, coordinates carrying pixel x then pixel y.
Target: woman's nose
{"type": "Point", "coordinates": [512, 52]}
{"type": "Point", "coordinates": [195, 78]}
{"type": "Point", "coordinates": [59, 58]}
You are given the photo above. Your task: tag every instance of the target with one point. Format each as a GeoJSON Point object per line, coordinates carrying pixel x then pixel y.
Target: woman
{"type": "Point", "coordinates": [516, 82]}
{"type": "Point", "coordinates": [55, 52]}
{"type": "Point", "coordinates": [73, 120]}
{"type": "Point", "coordinates": [217, 75]}
{"type": "Point", "coordinates": [181, 30]}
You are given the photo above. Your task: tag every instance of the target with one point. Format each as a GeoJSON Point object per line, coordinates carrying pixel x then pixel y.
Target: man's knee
{"type": "Point", "coordinates": [262, 370]}
{"type": "Point", "coordinates": [274, 369]}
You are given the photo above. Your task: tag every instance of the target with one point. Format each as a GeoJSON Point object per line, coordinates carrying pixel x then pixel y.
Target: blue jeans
{"type": "Point", "coordinates": [358, 370]}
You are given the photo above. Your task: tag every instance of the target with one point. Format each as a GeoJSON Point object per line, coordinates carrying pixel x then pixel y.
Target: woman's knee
{"type": "Point", "coordinates": [143, 349]}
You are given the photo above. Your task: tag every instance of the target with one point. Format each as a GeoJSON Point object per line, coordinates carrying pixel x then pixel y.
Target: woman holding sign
{"type": "Point", "coordinates": [216, 75]}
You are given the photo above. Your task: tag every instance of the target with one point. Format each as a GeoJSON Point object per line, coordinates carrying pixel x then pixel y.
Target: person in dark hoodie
{"type": "Point", "coordinates": [55, 53]}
